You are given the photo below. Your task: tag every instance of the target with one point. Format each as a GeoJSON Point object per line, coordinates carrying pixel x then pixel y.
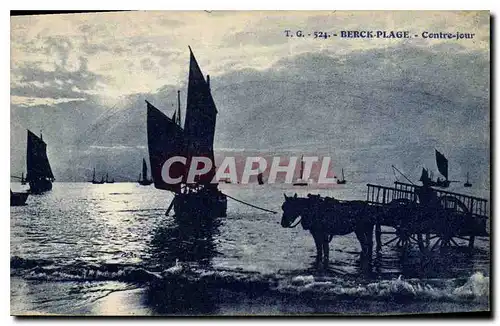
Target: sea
{"type": "Point", "coordinates": [85, 249]}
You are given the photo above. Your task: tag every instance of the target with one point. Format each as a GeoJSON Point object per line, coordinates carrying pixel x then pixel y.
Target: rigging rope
{"type": "Point", "coordinates": [402, 174]}
{"type": "Point", "coordinates": [240, 201]}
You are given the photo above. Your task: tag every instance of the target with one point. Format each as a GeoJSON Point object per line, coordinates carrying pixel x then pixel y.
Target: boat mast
{"type": "Point", "coordinates": [178, 108]}
{"type": "Point", "coordinates": [144, 170]}
{"type": "Point", "coordinates": [301, 167]}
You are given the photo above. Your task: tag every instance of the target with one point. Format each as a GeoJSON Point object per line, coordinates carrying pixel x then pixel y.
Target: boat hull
{"type": "Point", "coordinates": [200, 205]}
{"type": "Point", "coordinates": [18, 198]}
{"type": "Point", "coordinates": [145, 182]}
{"type": "Point", "coordinates": [40, 186]}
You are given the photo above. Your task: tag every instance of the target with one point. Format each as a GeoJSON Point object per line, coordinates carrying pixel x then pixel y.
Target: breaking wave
{"type": "Point", "coordinates": [474, 288]}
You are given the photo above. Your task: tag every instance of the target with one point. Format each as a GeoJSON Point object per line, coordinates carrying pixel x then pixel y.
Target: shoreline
{"type": "Point", "coordinates": [142, 301]}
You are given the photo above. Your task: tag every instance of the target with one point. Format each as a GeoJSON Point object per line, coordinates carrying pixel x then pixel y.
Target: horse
{"type": "Point", "coordinates": [327, 217]}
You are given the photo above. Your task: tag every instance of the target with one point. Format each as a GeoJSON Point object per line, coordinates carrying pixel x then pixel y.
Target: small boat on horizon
{"type": "Point", "coordinates": [109, 181]}
{"type": "Point", "coordinates": [143, 178]}
{"type": "Point", "coordinates": [467, 184]}
{"type": "Point", "coordinates": [94, 181]}
{"type": "Point", "coordinates": [300, 181]}
{"type": "Point", "coordinates": [260, 178]}
{"type": "Point", "coordinates": [343, 181]}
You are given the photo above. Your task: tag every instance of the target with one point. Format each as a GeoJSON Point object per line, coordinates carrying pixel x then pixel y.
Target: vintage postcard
{"type": "Point", "coordinates": [250, 163]}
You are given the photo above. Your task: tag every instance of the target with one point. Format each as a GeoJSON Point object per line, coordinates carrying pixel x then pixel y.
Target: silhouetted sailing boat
{"type": "Point", "coordinates": [300, 181]}
{"type": "Point", "coordinates": [39, 175]}
{"type": "Point", "coordinates": [167, 139]}
{"type": "Point", "coordinates": [442, 164]}
{"type": "Point", "coordinates": [94, 181]}
{"type": "Point", "coordinates": [260, 178]}
{"type": "Point", "coordinates": [109, 181]}
{"type": "Point", "coordinates": [467, 183]}
{"type": "Point", "coordinates": [343, 181]}
{"type": "Point", "coordinates": [23, 180]}
{"type": "Point", "coordinates": [144, 181]}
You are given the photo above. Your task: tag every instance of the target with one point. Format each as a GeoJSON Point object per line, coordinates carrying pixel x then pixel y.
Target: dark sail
{"type": "Point", "coordinates": [442, 164]}
{"type": "Point", "coordinates": [165, 140]}
{"type": "Point", "coordinates": [37, 162]}
{"type": "Point", "coordinates": [144, 170]}
{"type": "Point", "coordinates": [199, 125]}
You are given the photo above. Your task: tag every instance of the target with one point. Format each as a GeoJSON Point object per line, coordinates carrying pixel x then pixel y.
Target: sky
{"type": "Point", "coordinates": [81, 77]}
{"type": "Point", "coordinates": [66, 57]}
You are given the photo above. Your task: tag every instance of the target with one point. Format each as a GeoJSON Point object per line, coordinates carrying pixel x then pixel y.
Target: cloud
{"type": "Point", "coordinates": [60, 83]}
{"type": "Point", "coordinates": [59, 47]}
{"type": "Point", "coordinates": [148, 64]}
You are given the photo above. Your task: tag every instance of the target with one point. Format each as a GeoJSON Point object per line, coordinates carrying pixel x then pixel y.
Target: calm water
{"type": "Point", "coordinates": [84, 248]}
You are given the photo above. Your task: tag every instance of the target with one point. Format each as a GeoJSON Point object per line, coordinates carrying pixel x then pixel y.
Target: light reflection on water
{"type": "Point", "coordinates": [79, 226]}
{"type": "Point", "coordinates": [125, 223]}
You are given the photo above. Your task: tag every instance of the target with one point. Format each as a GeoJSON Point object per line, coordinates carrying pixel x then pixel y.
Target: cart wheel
{"type": "Point", "coordinates": [402, 236]}
{"type": "Point", "coordinates": [453, 204]}
{"type": "Point", "coordinates": [428, 243]}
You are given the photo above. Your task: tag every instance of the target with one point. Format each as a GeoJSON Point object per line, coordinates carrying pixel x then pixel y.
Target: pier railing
{"type": "Point", "coordinates": [382, 195]}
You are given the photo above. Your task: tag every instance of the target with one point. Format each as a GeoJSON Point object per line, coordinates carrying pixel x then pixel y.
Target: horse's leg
{"type": "Point", "coordinates": [326, 249]}
{"type": "Point", "coordinates": [361, 239]}
{"type": "Point", "coordinates": [364, 233]}
{"type": "Point", "coordinates": [318, 243]}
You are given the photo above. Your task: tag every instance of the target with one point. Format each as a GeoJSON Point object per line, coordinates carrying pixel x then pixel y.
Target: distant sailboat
{"type": "Point", "coordinates": [467, 183]}
{"type": "Point", "coordinates": [109, 181]}
{"type": "Point", "coordinates": [23, 180]}
{"type": "Point", "coordinates": [94, 181]}
{"type": "Point", "coordinates": [442, 164]}
{"type": "Point", "coordinates": [144, 181]}
{"type": "Point", "coordinates": [39, 175]}
{"type": "Point", "coordinates": [300, 181]}
{"type": "Point", "coordinates": [260, 178]}
{"type": "Point", "coordinates": [343, 181]}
